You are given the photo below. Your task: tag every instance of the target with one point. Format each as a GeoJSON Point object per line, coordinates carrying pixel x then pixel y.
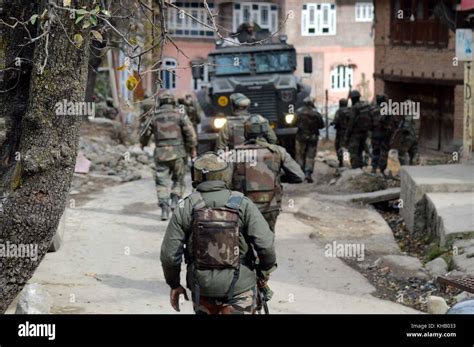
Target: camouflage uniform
{"type": "Point", "coordinates": [174, 135]}
{"type": "Point", "coordinates": [380, 138]}
{"type": "Point", "coordinates": [308, 122]}
{"type": "Point", "coordinates": [232, 133]}
{"type": "Point", "coordinates": [191, 110]}
{"type": "Point", "coordinates": [405, 140]}
{"type": "Point", "coordinates": [261, 181]}
{"type": "Point", "coordinates": [357, 132]}
{"type": "Point", "coordinates": [340, 124]}
{"type": "Point", "coordinates": [217, 289]}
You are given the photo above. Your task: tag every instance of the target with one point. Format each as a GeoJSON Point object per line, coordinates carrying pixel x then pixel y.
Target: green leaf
{"type": "Point", "coordinates": [94, 20]}
{"type": "Point", "coordinates": [82, 12]}
{"type": "Point", "coordinates": [106, 13]}
{"type": "Point", "coordinates": [33, 19]}
{"type": "Point", "coordinates": [96, 10]}
{"type": "Point", "coordinates": [86, 25]}
{"type": "Point", "coordinates": [79, 19]}
{"type": "Point", "coordinates": [78, 40]}
{"type": "Point", "coordinates": [97, 35]}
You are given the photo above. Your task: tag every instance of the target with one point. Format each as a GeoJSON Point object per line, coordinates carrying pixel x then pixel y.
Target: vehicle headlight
{"type": "Point", "coordinates": [219, 122]}
{"type": "Point", "coordinates": [289, 118]}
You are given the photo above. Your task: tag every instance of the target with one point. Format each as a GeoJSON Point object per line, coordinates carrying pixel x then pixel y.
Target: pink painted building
{"type": "Point", "coordinates": [337, 34]}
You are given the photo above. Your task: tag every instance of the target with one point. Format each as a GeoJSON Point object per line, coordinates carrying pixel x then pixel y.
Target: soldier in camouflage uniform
{"type": "Point", "coordinates": [340, 124]}
{"type": "Point", "coordinates": [232, 133]}
{"type": "Point", "coordinates": [308, 121]}
{"type": "Point", "coordinates": [260, 178]}
{"type": "Point", "coordinates": [381, 135]}
{"type": "Point", "coordinates": [174, 136]}
{"type": "Point", "coordinates": [405, 139]}
{"type": "Point", "coordinates": [358, 127]}
{"type": "Point", "coordinates": [190, 107]}
{"type": "Point", "coordinates": [220, 233]}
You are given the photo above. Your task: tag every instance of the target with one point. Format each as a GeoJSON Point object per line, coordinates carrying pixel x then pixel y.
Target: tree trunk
{"type": "Point", "coordinates": [47, 148]}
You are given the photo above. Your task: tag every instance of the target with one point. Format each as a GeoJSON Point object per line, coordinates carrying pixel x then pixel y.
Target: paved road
{"type": "Point", "coordinates": [109, 263]}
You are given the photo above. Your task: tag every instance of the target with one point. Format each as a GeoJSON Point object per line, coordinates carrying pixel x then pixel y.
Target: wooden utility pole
{"type": "Point", "coordinates": [468, 112]}
{"type": "Point", "coordinates": [327, 116]}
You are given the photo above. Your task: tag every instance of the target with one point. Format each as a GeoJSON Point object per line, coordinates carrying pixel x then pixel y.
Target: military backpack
{"type": "Point", "coordinates": [215, 236]}
{"type": "Point", "coordinates": [256, 179]}
{"type": "Point", "coordinates": [166, 125]}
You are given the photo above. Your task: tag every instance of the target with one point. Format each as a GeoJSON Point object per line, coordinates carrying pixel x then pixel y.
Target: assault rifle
{"type": "Point", "coordinates": [264, 292]}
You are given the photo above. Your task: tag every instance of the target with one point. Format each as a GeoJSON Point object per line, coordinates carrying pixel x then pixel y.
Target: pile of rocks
{"type": "Point", "coordinates": [114, 159]}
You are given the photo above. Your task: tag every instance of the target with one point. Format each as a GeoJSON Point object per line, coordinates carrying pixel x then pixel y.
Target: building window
{"type": "Point", "coordinates": [364, 12]}
{"type": "Point", "coordinates": [414, 23]}
{"type": "Point", "coordinates": [179, 24]}
{"type": "Point", "coordinates": [318, 19]}
{"type": "Point", "coordinates": [263, 14]}
{"type": "Point", "coordinates": [168, 74]}
{"type": "Point", "coordinates": [341, 77]}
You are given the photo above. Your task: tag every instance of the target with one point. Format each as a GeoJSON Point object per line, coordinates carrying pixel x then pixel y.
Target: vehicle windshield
{"type": "Point", "coordinates": [232, 64]}
{"type": "Point", "coordinates": [273, 61]}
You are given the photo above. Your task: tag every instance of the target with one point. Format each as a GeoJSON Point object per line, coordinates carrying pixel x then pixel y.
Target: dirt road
{"type": "Point", "coordinates": [109, 262]}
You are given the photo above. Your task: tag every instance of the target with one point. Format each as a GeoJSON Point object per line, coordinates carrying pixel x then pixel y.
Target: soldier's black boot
{"type": "Point", "coordinates": [174, 201]}
{"type": "Point", "coordinates": [165, 210]}
{"type": "Point", "coordinates": [308, 177]}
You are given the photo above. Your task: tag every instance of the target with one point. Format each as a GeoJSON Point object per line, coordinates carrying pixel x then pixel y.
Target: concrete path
{"type": "Point", "coordinates": [109, 263]}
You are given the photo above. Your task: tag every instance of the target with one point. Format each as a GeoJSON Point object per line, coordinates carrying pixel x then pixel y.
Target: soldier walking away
{"type": "Point", "coordinates": [340, 124]}
{"type": "Point", "coordinates": [380, 135]}
{"type": "Point", "coordinates": [191, 109]}
{"type": "Point", "coordinates": [174, 137]}
{"type": "Point", "coordinates": [308, 121]}
{"type": "Point", "coordinates": [232, 133]}
{"type": "Point", "coordinates": [260, 176]}
{"type": "Point", "coordinates": [405, 140]}
{"type": "Point", "coordinates": [358, 127]}
{"type": "Point", "coordinates": [220, 233]}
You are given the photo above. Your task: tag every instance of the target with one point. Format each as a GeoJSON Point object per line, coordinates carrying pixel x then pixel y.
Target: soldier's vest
{"type": "Point", "coordinates": [258, 179]}
{"type": "Point", "coordinates": [166, 126]}
{"type": "Point", "coordinates": [343, 116]}
{"type": "Point", "coordinates": [236, 132]}
{"type": "Point", "coordinates": [363, 121]}
{"type": "Point", "coordinates": [378, 121]}
{"type": "Point", "coordinates": [308, 125]}
{"type": "Point", "coordinates": [215, 236]}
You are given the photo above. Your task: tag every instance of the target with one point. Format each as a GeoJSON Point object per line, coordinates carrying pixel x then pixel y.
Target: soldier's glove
{"type": "Point", "coordinates": [174, 297]}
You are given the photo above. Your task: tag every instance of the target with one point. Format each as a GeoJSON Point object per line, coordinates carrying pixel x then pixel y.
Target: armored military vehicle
{"type": "Point", "coordinates": [261, 68]}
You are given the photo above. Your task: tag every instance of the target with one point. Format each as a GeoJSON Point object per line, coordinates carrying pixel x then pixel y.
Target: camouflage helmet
{"type": "Point", "coordinates": [354, 94]}
{"type": "Point", "coordinates": [343, 102]}
{"type": "Point", "coordinates": [380, 98]}
{"type": "Point", "coordinates": [256, 126]}
{"type": "Point", "coordinates": [166, 98]}
{"type": "Point", "coordinates": [239, 100]}
{"type": "Point", "coordinates": [309, 101]}
{"type": "Point", "coordinates": [211, 167]}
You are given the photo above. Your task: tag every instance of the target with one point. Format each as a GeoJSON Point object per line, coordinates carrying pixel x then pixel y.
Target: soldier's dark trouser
{"type": "Point", "coordinates": [169, 174]}
{"type": "Point", "coordinates": [305, 154]}
{"type": "Point", "coordinates": [244, 303]}
{"type": "Point", "coordinates": [380, 149]}
{"type": "Point", "coordinates": [339, 143]}
{"type": "Point", "coordinates": [356, 146]}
